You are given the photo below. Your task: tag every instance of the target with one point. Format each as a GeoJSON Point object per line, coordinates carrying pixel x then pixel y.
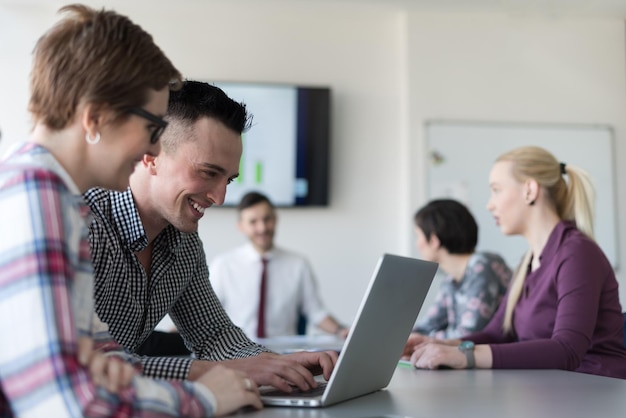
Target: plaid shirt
{"type": "Point", "coordinates": [131, 304]}
{"type": "Point", "coordinates": [46, 302]}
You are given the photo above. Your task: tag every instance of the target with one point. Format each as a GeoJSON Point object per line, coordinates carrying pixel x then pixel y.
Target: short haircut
{"type": "Point", "coordinates": [97, 57]}
{"type": "Point", "coordinates": [198, 99]}
{"type": "Point", "coordinates": [451, 222]}
{"type": "Point", "coordinates": [252, 199]}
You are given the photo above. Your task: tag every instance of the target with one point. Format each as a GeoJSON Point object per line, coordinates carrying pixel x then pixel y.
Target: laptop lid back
{"type": "Point", "coordinates": [368, 359]}
{"type": "Point", "coordinates": [388, 311]}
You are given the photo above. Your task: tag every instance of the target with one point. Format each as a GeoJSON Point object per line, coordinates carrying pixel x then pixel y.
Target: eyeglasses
{"type": "Point", "coordinates": [160, 123]}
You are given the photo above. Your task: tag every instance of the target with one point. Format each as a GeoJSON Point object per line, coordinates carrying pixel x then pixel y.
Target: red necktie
{"type": "Point", "coordinates": [261, 325]}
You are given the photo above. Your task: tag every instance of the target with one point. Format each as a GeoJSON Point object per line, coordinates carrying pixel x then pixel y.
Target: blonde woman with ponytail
{"type": "Point", "coordinates": [562, 309]}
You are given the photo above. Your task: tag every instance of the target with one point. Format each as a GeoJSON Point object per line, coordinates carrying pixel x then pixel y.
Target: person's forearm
{"type": "Point", "coordinates": [445, 341]}
{"type": "Point", "coordinates": [199, 367]}
{"type": "Point", "coordinates": [145, 396]}
{"type": "Point", "coordinates": [483, 356]}
{"type": "Point", "coordinates": [331, 326]}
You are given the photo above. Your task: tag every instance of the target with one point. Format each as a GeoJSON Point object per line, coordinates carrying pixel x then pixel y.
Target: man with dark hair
{"type": "Point", "coordinates": [476, 281]}
{"type": "Point", "coordinates": [263, 288]}
{"type": "Point", "coordinates": [149, 260]}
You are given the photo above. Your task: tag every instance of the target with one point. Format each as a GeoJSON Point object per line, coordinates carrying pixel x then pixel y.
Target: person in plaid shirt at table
{"type": "Point", "coordinates": [98, 86]}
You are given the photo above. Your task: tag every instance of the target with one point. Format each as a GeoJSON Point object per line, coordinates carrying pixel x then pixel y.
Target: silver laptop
{"type": "Point", "coordinates": [377, 337]}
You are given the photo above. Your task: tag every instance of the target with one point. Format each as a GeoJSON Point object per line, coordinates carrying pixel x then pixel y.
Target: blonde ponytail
{"type": "Point", "coordinates": [580, 201]}
{"type": "Point", "coordinates": [573, 200]}
{"type": "Point", "coordinates": [517, 285]}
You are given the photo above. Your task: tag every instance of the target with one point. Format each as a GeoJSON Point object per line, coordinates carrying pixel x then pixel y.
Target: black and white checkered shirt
{"type": "Point", "coordinates": [132, 304]}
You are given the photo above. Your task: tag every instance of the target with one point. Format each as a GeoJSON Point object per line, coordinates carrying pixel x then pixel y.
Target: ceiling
{"type": "Point", "coordinates": [615, 9]}
{"type": "Point", "coordinates": [611, 9]}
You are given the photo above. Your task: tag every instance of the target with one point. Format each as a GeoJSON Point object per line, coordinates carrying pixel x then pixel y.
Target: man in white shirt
{"type": "Point", "coordinates": [289, 289]}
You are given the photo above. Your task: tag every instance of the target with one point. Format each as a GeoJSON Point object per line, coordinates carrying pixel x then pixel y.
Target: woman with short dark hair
{"type": "Point", "coordinates": [475, 282]}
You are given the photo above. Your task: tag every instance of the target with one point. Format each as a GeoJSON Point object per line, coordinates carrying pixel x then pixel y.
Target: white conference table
{"type": "Point", "coordinates": [293, 343]}
{"type": "Point", "coordinates": [477, 393]}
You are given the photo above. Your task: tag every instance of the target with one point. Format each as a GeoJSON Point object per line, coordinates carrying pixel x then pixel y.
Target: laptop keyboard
{"type": "Point", "coordinates": [321, 386]}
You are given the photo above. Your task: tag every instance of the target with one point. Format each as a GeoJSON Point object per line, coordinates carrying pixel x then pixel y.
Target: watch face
{"type": "Point", "coordinates": [466, 345]}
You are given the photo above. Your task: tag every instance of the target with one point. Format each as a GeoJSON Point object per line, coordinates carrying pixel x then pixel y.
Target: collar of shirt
{"type": "Point", "coordinates": [556, 238]}
{"type": "Point", "coordinates": [253, 255]}
{"type": "Point", "coordinates": [126, 216]}
{"type": "Point", "coordinates": [131, 228]}
{"type": "Point", "coordinates": [30, 153]}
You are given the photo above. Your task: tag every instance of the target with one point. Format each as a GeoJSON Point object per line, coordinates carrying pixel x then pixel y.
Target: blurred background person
{"type": "Point", "coordinates": [266, 289]}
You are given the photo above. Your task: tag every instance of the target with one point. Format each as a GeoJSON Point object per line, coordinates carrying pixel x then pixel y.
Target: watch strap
{"type": "Point", "coordinates": [467, 347]}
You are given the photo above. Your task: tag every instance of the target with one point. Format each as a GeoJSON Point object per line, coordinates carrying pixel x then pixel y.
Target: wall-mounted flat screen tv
{"type": "Point", "coordinates": [286, 152]}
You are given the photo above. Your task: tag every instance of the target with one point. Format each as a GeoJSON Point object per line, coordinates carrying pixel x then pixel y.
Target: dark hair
{"type": "Point", "coordinates": [253, 198]}
{"type": "Point", "coordinates": [97, 56]}
{"type": "Point", "coordinates": [197, 99]}
{"type": "Point", "coordinates": [451, 222]}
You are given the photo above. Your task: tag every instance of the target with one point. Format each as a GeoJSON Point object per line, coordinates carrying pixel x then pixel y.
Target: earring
{"type": "Point", "coordinates": [531, 203]}
{"type": "Point", "coordinates": [93, 140]}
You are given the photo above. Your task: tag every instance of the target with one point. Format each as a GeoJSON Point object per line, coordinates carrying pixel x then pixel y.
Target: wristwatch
{"type": "Point", "coordinates": [467, 347]}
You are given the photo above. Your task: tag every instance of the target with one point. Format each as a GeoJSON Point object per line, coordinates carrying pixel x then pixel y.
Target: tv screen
{"type": "Point", "coordinates": [285, 153]}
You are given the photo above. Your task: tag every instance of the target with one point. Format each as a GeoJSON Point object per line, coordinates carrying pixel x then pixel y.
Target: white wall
{"type": "Point", "coordinates": [390, 70]}
{"type": "Point", "coordinates": [488, 67]}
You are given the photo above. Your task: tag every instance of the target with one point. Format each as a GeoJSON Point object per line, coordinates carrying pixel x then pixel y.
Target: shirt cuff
{"type": "Point", "coordinates": [207, 395]}
{"type": "Point", "coordinates": [166, 367]}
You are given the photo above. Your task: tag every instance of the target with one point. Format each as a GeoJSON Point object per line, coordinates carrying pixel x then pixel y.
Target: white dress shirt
{"type": "Point", "coordinates": [291, 290]}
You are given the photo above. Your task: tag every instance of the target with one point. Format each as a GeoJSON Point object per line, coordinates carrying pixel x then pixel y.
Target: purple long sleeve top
{"type": "Point", "coordinates": [568, 316]}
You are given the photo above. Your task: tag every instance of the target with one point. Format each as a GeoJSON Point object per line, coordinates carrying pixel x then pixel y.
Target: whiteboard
{"type": "Point", "coordinates": [461, 154]}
